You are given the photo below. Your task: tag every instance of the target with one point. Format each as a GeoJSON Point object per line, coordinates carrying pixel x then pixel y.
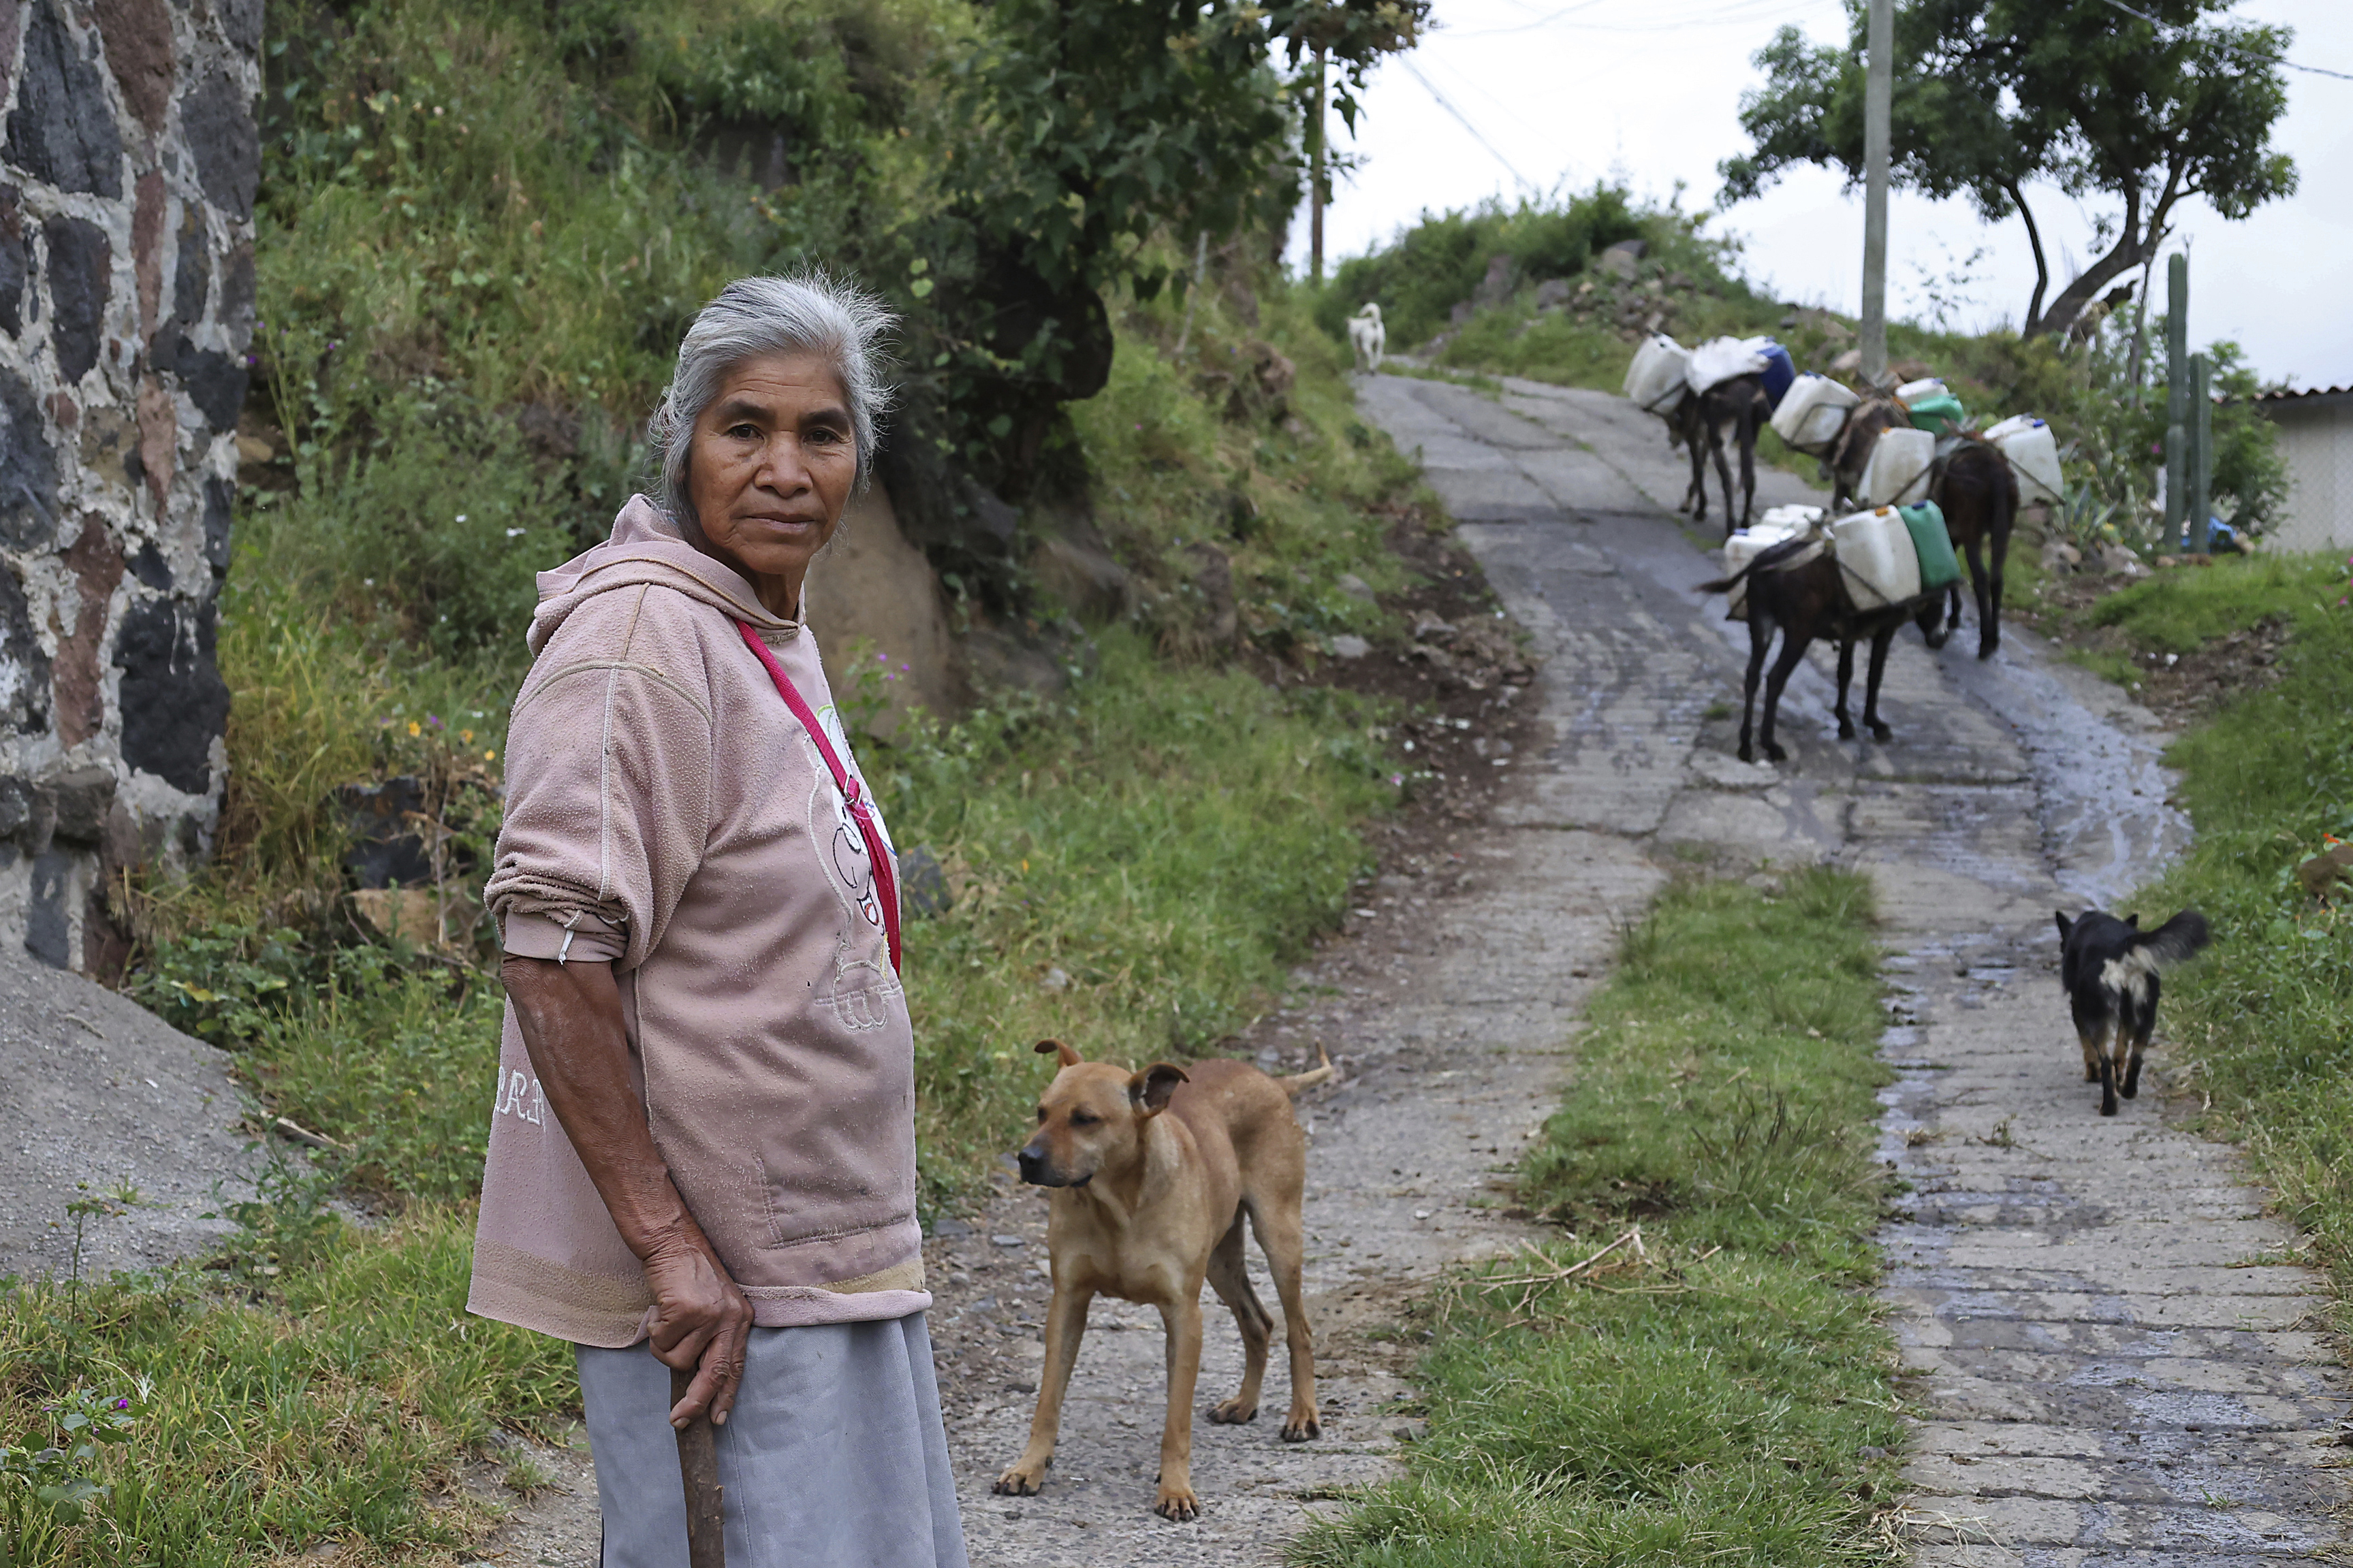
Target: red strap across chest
{"type": "Point", "coordinates": [886, 878]}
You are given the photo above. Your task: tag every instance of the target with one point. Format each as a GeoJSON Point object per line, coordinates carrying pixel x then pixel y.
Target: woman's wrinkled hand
{"type": "Point", "coordinates": [702, 1321]}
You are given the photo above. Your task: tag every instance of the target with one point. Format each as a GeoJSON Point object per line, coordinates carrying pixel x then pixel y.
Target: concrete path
{"type": "Point", "coordinates": [2109, 1343]}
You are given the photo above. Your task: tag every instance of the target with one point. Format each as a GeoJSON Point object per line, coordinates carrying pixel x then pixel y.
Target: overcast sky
{"type": "Point", "coordinates": [1650, 91]}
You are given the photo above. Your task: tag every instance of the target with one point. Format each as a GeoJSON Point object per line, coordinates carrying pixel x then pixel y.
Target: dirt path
{"type": "Point", "coordinates": [1452, 1003]}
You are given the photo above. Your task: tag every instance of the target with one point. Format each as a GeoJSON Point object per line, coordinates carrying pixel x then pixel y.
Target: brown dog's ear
{"type": "Point", "coordinates": [1149, 1090]}
{"type": "Point", "coordinates": [1071, 1058]}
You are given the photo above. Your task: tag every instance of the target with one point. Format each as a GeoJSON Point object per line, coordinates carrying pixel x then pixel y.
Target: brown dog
{"type": "Point", "coordinates": [1153, 1175]}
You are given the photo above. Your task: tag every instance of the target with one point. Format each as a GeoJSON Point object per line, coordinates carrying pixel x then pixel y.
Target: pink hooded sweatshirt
{"type": "Point", "coordinates": [666, 812]}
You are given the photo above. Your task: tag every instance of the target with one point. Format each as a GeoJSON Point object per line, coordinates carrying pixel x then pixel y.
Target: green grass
{"type": "Point", "coordinates": [321, 1385]}
{"type": "Point", "coordinates": [2183, 610]}
{"type": "Point", "coordinates": [2265, 1022]}
{"type": "Point", "coordinates": [1711, 1398]}
{"type": "Point", "coordinates": [1550, 347]}
{"type": "Point", "coordinates": [1168, 839]}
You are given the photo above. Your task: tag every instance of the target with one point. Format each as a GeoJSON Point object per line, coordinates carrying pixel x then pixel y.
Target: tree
{"type": "Point", "coordinates": [1993, 94]}
{"type": "Point", "coordinates": [1084, 129]}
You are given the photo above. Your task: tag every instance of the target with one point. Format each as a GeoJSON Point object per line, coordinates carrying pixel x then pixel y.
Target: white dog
{"type": "Point", "coordinates": [1367, 336]}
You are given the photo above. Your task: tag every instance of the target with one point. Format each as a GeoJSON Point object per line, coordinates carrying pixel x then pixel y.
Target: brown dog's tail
{"type": "Point", "coordinates": [1299, 1083]}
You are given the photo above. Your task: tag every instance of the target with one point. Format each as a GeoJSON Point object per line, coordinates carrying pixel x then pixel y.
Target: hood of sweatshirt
{"type": "Point", "coordinates": [645, 548]}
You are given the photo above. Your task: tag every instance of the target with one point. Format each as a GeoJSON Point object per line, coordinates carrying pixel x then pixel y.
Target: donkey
{"type": "Point", "coordinates": [1974, 487]}
{"type": "Point", "coordinates": [1805, 600]}
{"type": "Point", "coordinates": [1876, 414]}
{"type": "Point", "coordinates": [1700, 421]}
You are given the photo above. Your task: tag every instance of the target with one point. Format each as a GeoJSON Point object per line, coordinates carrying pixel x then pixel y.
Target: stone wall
{"type": "Point", "coordinates": [128, 169]}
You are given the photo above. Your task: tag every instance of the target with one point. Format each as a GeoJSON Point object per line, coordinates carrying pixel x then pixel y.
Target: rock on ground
{"type": "Point", "coordinates": [102, 1092]}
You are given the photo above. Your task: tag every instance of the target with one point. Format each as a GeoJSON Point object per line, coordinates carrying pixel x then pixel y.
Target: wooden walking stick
{"type": "Point", "coordinates": [698, 1465]}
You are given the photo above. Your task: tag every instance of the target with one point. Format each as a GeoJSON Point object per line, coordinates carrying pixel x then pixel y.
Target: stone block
{"type": "Point", "coordinates": [174, 703]}
{"type": "Point", "coordinates": [217, 117]}
{"type": "Point", "coordinates": [15, 262]}
{"type": "Point", "coordinates": [62, 130]}
{"type": "Point", "coordinates": [138, 37]}
{"type": "Point", "coordinates": [28, 468]}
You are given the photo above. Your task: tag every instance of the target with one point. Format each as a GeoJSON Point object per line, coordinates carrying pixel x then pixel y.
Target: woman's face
{"type": "Point", "coordinates": [769, 468]}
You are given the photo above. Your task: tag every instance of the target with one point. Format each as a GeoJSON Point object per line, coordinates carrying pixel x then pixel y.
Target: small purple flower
{"type": "Point", "coordinates": [432, 722]}
{"type": "Point", "coordinates": [122, 1404]}
{"type": "Point", "coordinates": [1396, 779]}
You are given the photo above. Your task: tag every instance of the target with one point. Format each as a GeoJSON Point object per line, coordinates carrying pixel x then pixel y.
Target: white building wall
{"type": "Point", "coordinates": [2316, 440]}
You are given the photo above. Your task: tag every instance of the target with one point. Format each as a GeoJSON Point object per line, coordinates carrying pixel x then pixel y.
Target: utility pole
{"type": "Point", "coordinates": [1315, 176]}
{"type": "Point", "coordinates": [2176, 397]}
{"type": "Point", "coordinates": [1878, 101]}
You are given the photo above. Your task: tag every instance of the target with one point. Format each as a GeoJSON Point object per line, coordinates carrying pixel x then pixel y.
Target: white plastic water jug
{"type": "Point", "coordinates": [1779, 525]}
{"type": "Point", "coordinates": [1875, 557]}
{"type": "Point", "coordinates": [1655, 380]}
{"type": "Point", "coordinates": [1898, 471]}
{"type": "Point", "coordinates": [2033, 454]}
{"type": "Point", "coordinates": [1787, 520]}
{"type": "Point", "coordinates": [1926, 386]}
{"type": "Point", "coordinates": [1812, 413]}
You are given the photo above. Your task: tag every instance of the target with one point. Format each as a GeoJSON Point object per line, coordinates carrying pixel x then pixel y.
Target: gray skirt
{"type": "Point", "coordinates": [834, 1455]}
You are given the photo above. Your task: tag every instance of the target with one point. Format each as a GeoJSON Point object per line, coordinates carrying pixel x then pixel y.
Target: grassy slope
{"type": "Point", "coordinates": [2266, 1019]}
{"type": "Point", "coordinates": [1714, 1401]}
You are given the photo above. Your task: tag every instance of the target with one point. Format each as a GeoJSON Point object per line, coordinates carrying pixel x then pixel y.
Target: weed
{"type": "Point", "coordinates": [2002, 1137]}
{"type": "Point", "coordinates": [526, 1477]}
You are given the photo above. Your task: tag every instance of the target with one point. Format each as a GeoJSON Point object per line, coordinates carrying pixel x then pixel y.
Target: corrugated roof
{"type": "Point", "coordinates": [2284, 395]}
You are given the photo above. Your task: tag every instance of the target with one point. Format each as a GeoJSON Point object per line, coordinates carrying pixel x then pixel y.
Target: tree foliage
{"type": "Point", "coordinates": [1083, 129]}
{"type": "Point", "coordinates": [1991, 95]}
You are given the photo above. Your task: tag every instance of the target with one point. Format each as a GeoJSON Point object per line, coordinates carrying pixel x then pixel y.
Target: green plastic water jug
{"type": "Point", "coordinates": [1939, 568]}
{"type": "Point", "coordinates": [1939, 414]}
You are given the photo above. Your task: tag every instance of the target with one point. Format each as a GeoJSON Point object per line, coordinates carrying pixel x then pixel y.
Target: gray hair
{"type": "Point", "coordinates": [810, 313]}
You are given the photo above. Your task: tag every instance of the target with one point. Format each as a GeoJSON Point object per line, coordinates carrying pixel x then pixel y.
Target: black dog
{"type": "Point", "coordinates": [2109, 968]}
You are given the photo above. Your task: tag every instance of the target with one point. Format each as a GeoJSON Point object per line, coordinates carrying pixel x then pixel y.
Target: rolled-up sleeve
{"type": "Point", "coordinates": [608, 783]}
{"type": "Point", "coordinates": [579, 937]}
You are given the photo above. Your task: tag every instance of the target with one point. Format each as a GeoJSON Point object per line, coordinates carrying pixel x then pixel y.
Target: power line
{"type": "Point", "coordinates": [1741, 14]}
{"type": "Point", "coordinates": [2291, 64]}
{"type": "Point", "coordinates": [1465, 121]}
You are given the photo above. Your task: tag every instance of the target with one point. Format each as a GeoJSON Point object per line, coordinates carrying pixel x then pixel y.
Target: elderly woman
{"type": "Point", "coordinates": [702, 1155]}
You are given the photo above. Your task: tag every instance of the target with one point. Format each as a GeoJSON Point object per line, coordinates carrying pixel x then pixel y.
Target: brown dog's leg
{"type": "Point", "coordinates": [1280, 1236]}
{"type": "Point", "coordinates": [1229, 1277]}
{"type": "Point", "coordinates": [2094, 1047]}
{"type": "Point", "coordinates": [1176, 1499]}
{"type": "Point", "coordinates": [1066, 1325]}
